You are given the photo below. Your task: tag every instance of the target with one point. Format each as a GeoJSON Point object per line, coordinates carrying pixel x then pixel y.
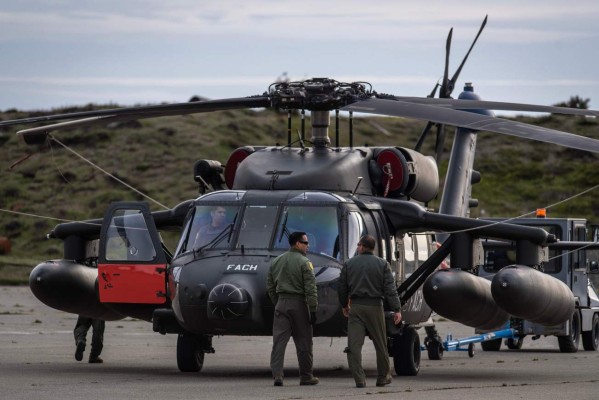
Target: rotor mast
{"type": "Point", "coordinates": [321, 120]}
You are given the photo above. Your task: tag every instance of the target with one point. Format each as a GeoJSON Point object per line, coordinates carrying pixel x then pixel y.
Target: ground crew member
{"type": "Point", "coordinates": [80, 332]}
{"type": "Point", "coordinates": [366, 280]}
{"type": "Point", "coordinates": [291, 287]}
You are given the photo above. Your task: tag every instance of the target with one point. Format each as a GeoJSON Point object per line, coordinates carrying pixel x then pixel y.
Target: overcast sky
{"type": "Point", "coordinates": [72, 52]}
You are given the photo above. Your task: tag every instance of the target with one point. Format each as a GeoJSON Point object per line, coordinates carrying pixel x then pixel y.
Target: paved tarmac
{"type": "Point", "coordinates": [37, 362]}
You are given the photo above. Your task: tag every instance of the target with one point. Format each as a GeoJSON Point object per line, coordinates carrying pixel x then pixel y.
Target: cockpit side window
{"type": "Point", "coordinates": [319, 223]}
{"type": "Point", "coordinates": [411, 262]}
{"type": "Point", "coordinates": [356, 228]}
{"type": "Point", "coordinates": [423, 248]}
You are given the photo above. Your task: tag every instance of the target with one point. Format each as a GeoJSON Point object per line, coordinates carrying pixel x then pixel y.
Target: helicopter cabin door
{"type": "Point", "coordinates": [131, 263]}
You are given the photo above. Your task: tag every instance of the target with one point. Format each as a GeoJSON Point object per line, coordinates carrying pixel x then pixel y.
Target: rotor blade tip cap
{"type": "Point", "coordinates": [35, 138]}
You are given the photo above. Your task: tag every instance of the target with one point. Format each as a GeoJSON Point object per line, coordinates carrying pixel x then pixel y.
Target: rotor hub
{"type": "Point", "coordinates": [317, 94]}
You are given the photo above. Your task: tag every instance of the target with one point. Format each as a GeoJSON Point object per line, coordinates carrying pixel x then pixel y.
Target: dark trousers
{"type": "Point", "coordinates": [292, 319]}
{"type": "Point", "coordinates": [80, 333]}
{"type": "Point", "coordinates": [369, 319]}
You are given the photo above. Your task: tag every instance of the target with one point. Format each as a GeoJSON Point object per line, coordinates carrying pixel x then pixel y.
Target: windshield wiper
{"type": "Point", "coordinates": [228, 229]}
{"type": "Point", "coordinates": [284, 230]}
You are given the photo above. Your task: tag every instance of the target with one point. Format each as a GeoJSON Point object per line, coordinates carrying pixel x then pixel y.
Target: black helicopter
{"type": "Point", "coordinates": [214, 281]}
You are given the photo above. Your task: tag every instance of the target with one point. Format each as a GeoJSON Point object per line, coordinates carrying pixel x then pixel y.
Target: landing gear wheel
{"type": "Point", "coordinates": [590, 339]}
{"type": "Point", "coordinates": [471, 350]}
{"type": "Point", "coordinates": [435, 350]}
{"type": "Point", "coordinates": [406, 352]}
{"type": "Point", "coordinates": [190, 357]}
{"type": "Point", "coordinates": [514, 344]}
{"type": "Point", "coordinates": [491, 345]}
{"type": "Point", "coordinates": [569, 343]}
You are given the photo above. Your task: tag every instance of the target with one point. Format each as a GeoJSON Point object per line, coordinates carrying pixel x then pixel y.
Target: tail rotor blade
{"type": "Point", "coordinates": [454, 78]}
{"type": "Point", "coordinates": [443, 93]}
{"type": "Point", "coordinates": [443, 89]}
{"type": "Point", "coordinates": [447, 87]}
{"type": "Point", "coordinates": [425, 131]}
{"type": "Point", "coordinates": [440, 143]}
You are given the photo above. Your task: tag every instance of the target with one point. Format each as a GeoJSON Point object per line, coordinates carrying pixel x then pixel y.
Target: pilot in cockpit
{"type": "Point", "coordinates": [208, 232]}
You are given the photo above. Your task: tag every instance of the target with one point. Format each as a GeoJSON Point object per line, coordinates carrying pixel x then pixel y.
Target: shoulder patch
{"type": "Point", "coordinates": [310, 266]}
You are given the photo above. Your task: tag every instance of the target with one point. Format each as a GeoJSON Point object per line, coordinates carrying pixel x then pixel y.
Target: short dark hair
{"type": "Point", "coordinates": [368, 242]}
{"type": "Point", "coordinates": [295, 237]}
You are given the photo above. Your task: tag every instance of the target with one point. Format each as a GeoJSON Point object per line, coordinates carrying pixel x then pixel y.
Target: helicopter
{"type": "Point", "coordinates": [118, 265]}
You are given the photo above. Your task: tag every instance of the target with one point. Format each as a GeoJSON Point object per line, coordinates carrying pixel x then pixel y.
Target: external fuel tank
{"type": "Point", "coordinates": [465, 298]}
{"type": "Point", "coordinates": [529, 294]}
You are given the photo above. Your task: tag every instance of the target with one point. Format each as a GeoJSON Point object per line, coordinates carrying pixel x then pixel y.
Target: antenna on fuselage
{"type": "Point", "coordinates": [357, 185]}
{"type": "Point", "coordinates": [351, 129]}
{"type": "Point", "coordinates": [337, 128]}
{"type": "Point", "coordinates": [289, 128]}
{"type": "Point", "coordinates": [303, 126]}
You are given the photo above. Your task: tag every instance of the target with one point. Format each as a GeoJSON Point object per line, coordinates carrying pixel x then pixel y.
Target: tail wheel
{"type": "Point", "coordinates": [406, 352]}
{"type": "Point", "coordinates": [590, 339]}
{"type": "Point", "coordinates": [190, 356]}
{"type": "Point", "coordinates": [569, 343]}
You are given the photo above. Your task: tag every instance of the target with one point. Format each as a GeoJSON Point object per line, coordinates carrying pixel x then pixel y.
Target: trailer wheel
{"type": "Point", "coordinates": [514, 344]}
{"type": "Point", "coordinates": [491, 345]}
{"type": "Point", "coordinates": [406, 352]}
{"type": "Point", "coordinates": [190, 357]}
{"type": "Point", "coordinates": [590, 339]}
{"type": "Point", "coordinates": [569, 343]}
{"type": "Point", "coordinates": [435, 350]}
{"type": "Point", "coordinates": [471, 350]}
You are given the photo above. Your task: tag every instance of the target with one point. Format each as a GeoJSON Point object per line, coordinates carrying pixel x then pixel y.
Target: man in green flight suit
{"type": "Point", "coordinates": [366, 280]}
{"type": "Point", "coordinates": [291, 287]}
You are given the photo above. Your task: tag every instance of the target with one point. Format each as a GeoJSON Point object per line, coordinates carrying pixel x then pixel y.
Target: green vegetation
{"type": "Point", "coordinates": [156, 157]}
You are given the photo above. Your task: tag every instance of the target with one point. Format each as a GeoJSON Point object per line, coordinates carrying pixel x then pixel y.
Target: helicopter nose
{"type": "Point", "coordinates": [227, 301]}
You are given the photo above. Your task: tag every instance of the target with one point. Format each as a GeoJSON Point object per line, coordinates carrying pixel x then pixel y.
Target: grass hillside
{"type": "Point", "coordinates": [156, 157]}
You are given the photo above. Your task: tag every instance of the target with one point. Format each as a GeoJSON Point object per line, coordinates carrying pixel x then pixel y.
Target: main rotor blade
{"type": "Point", "coordinates": [154, 110]}
{"type": "Point", "coordinates": [458, 104]}
{"type": "Point", "coordinates": [472, 121]}
{"type": "Point", "coordinates": [39, 134]}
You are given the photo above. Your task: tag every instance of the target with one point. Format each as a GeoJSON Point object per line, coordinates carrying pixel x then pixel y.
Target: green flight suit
{"type": "Point", "coordinates": [367, 280]}
{"type": "Point", "coordinates": [291, 287]}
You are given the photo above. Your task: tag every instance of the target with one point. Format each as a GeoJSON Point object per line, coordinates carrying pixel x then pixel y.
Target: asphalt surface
{"type": "Point", "coordinates": [37, 362]}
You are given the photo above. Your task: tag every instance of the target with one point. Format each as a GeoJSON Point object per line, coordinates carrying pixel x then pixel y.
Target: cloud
{"type": "Point", "coordinates": [76, 49]}
{"type": "Point", "coordinates": [338, 21]}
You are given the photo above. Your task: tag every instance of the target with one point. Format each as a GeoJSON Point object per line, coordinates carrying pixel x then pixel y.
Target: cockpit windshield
{"type": "Point", "coordinates": [211, 226]}
{"type": "Point", "coordinates": [247, 225]}
{"type": "Point", "coordinates": [257, 226]}
{"type": "Point", "coordinates": [319, 223]}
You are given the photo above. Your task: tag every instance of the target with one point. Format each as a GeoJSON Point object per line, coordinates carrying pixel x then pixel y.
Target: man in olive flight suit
{"type": "Point", "coordinates": [366, 280]}
{"type": "Point", "coordinates": [80, 333]}
{"type": "Point", "coordinates": [291, 287]}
